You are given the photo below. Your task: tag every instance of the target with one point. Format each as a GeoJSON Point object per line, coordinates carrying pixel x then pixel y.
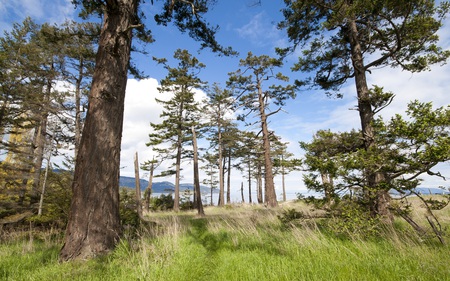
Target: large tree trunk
{"type": "Point", "coordinates": [378, 200]}
{"type": "Point", "coordinates": [94, 225]}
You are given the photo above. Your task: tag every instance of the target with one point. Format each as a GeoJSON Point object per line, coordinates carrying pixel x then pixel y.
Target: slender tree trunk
{"type": "Point", "coordinates": [249, 183]}
{"type": "Point", "coordinates": [259, 184]}
{"type": "Point", "coordinates": [198, 194]}
{"type": "Point", "coordinates": [38, 158]}
{"type": "Point", "coordinates": [94, 225]}
{"type": "Point", "coordinates": [44, 184]}
{"type": "Point", "coordinates": [221, 173]}
{"type": "Point", "coordinates": [211, 186]}
{"type": "Point", "coordinates": [270, 197]}
{"type": "Point", "coordinates": [38, 153]}
{"type": "Point", "coordinates": [283, 172]}
{"type": "Point", "coordinates": [77, 107]}
{"type": "Point", "coordinates": [137, 181]}
{"type": "Point", "coordinates": [229, 177]}
{"type": "Point", "coordinates": [176, 203]}
{"type": "Point", "coordinates": [242, 192]}
{"type": "Point", "coordinates": [148, 192]}
{"type": "Point", "coordinates": [378, 199]}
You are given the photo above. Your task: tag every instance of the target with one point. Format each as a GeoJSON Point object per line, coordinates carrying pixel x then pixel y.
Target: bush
{"type": "Point", "coordinates": [129, 217]}
{"type": "Point", "coordinates": [162, 203]}
{"type": "Point", "coordinates": [288, 216]}
{"type": "Point", "coordinates": [351, 220]}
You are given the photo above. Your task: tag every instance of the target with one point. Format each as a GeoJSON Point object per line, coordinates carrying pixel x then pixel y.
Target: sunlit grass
{"type": "Point", "coordinates": [234, 243]}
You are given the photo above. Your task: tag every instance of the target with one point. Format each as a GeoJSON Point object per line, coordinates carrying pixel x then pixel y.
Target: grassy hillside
{"type": "Point", "coordinates": [236, 243]}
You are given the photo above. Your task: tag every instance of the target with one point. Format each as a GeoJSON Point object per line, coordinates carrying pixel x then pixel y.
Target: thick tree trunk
{"type": "Point", "coordinates": [378, 199]}
{"type": "Point", "coordinates": [94, 225]}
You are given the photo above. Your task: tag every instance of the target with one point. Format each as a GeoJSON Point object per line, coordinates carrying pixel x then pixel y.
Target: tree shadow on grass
{"type": "Point", "coordinates": [212, 242]}
{"type": "Point", "coordinates": [222, 240]}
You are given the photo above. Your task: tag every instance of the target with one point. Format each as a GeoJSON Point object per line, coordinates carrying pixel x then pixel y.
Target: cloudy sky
{"type": "Point", "coordinates": [246, 27]}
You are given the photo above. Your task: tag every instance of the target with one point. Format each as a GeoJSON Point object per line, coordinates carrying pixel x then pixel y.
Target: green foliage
{"type": "Point", "coordinates": [289, 216]}
{"type": "Point", "coordinates": [129, 217]}
{"type": "Point", "coordinates": [162, 203]}
{"type": "Point", "coordinates": [389, 33]}
{"type": "Point", "coordinates": [351, 220]}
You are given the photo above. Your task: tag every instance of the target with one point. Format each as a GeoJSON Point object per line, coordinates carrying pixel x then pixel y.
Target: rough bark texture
{"type": "Point", "coordinates": [378, 200]}
{"type": "Point", "coordinates": [94, 225]}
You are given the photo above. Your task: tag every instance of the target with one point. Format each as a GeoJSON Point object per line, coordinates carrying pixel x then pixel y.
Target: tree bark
{"type": "Point", "coordinates": [148, 191]}
{"type": "Point", "coordinates": [283, 172]}
{"type": "Point", "coordinates": [379, 200]}
{"type": "Point", "coordinates": [249, 183]}
{"type": "Point", "coordinates": [137, 181]}
{"type": "Point", "coordinates": [229, 177]}
{"type": "Point", "coordinates": [270, 197]}
{"type": "Point", "coordinates": [197, 194]}
{"type": "Point", "coordinates": [221, 173]}
{"type": "Point", "coordinates": [94, 225]}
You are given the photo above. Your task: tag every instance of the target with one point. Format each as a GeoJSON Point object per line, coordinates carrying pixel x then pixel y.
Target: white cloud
{"type": "Point", "coordinates": [260, 31]}
{"type": "Point", "coordinates": [56, 11]}
{"type": "Point", "coordinates": [140, 109]}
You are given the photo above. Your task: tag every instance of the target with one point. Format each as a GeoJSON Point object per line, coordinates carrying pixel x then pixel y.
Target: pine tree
{"type": "Point", "coordinates": [170, 137]}
{"type": "Point", "coordinates": [253, 96]}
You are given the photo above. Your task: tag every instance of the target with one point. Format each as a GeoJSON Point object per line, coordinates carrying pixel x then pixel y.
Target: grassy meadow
{"type": "Point", "coordinates": [236, 243]}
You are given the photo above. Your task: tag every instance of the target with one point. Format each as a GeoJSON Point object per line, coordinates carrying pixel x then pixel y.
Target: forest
{"type": "Point", "coordinates": [62, 96]}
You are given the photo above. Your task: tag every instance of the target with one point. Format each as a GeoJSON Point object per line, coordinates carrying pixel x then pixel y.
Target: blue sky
{"type": "Point", "coordinates": [245, 27]}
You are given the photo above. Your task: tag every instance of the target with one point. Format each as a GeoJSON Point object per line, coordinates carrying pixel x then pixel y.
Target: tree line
{"type": "Point", "coordinates": [340, 41]}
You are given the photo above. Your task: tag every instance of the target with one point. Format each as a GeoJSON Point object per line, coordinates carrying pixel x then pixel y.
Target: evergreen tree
{"type": "Point", "coordinates": [180, 114]}
{"type": "Point", "coordinates": [348, 39]}
{"type": "Point", "coordinates": [96, 186]}
{"type": "Point", "coordinates": [253, 96]}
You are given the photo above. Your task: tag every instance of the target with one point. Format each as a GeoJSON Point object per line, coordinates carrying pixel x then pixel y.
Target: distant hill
{"type": "Point", "coordinates": [159, 187]}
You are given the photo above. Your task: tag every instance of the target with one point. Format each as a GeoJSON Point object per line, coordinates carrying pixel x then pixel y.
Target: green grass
{"type": "Point", "coordinates": [246, 243]}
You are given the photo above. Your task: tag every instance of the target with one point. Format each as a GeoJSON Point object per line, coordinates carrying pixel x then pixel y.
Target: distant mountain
{"type": "Point", "coordinates": [159, 187]}
{"type": "Point", "coordinates": [425, 191]}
